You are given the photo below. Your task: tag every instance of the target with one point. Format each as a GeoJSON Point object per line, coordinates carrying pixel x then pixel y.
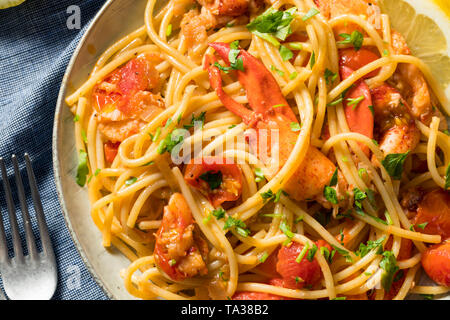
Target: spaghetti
{"type": "Point", "coordinates": [341, 212]}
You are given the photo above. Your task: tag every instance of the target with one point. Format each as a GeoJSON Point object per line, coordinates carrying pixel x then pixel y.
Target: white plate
{"type": "Point", "coordinates": [114, 20]}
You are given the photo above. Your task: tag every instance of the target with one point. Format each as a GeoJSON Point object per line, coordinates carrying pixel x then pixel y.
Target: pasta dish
{"type": "Point", "coordinates": [265, 149]}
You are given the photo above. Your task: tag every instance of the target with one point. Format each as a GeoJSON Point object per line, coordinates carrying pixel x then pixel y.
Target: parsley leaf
{"type": "Point", "coordinates": [130, 181]}
{"type": "Point", "coordinates": [355, 101]}
{"type": "Point", "coordinates": [334, 178]}
{"type": "Point", "coordinates": [311, 253]}
{"type": "Point", "coordinates": [238, 225]}
{"type": "Point", "coordinates": [302, 253]}
{"type": "Point", "coordinates": [212, 178]}
{"type": "Point", "coordinates": [313, 60]}
{"type": "Point", "coordinates": [286, 229]}
{"type": "Point", "coordinates": [219, 213]}
{"type": "Point", "coordinates": [394, 164]}
{"type": "Point", "coordinates": [83, 169]}
{"type": "Point", "coordinates": [365, 249]}
{"type": "Point", "coordinates": [273, 23]}
{"type": "Point", "coordinates": [356, 39]}
{"type": "Point", "coordinates": [389, 265]}
{"type": "Point", "coordinates": [259, 175]}
{"type": "Point", "coordinates": [311, 13]}
{"type": "Point", "coordinates": [200, 118]}
{"type": "Point", "coordinates": [172, 140]}
{"type": "Point", "coordinates": [343, 253]}
{"type": "Point", "coordinates": [285, 53]}
{"type": "Point", "coordinates": [295, 126]}
{"type": "Point", "coordinates": [330, 194]}
{"type": "Point", "coordinates": [330, 76]}
{"type": "Point", "coordinates": [220, 67]}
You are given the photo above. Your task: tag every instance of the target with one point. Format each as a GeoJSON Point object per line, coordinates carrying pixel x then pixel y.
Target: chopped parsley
{"type": "Point", "coordinates": [286, 230]}
{"type": "Point", "coordinates": [427, 296]}
{"type": "Point", "coordinates": [388, 218]}
{"type": "Point", "coordinates": [280, 73]}
{"type": "Point", "coordinates": [312, 253]}
{"type": "Point", "coordinates": [362, 173]}
{"type": "Point", "coordinates": [293, 75]}
{"type": "Point", "coordinates": [172, 262]}
{"type": "Point", "coordinates": [200, 119]}
{"type": "Point", "coordinates": [235, 62]}
{"type": "Point", "coordinates": [239, 226]}
{"type": "Point", "coordinates": [285, 53]}
{"type": "Point", "coordinates": [330, 76]}
{"type": "Point", "coordinates": [302, 253]}
{"type": "Point", "coordinates": [356, 39]}
{"type": "Point", "coordinates": [76, 118]}
{"type": "Point", "coordinates": [295, 126]}
{"type": "Point", "coordinates": [263, 257]}
{"type": "Point", "coordinates": [313, 60]}
{"type": "Point", "coordinates": [219, 213]}
{"type": "Point", "coordinates": [393, 163]}
{"type": "Point", "coordinates": [130, 181]}
{"type": "Point", "coordinates": [355, 101]}
{"type": "Point", "coordinates": [422, 225]}
{"type": "Point", "coordinates": [269, 195]}
{"type": "Point", "coordinates": [273, 24]}
{"type": "Point", "coordinates": [364, 249]}
{"type": "Point", "coordinates": [327, 254]}
{"type": "Point", "coordinates": [83, 135]}
{"type": "Point", "coordinates": [259, 175]}
{"type": "Point", "coordinates": [172, 140]}
{"type": "Point", "coordinates": [311, 13]}
{"type": "Point", "coordinates": [334, 178]}
{"type": "Point", "coordinates": [389, 265]}
{"type": "Point", "coordinates": [157, 134]}
{"type": "Point", "coordinates": [371, 109]}
{"type": "Point", "coordinates": [83, 169]}
{"type": "Point", "coordinates": [343, 253]}
{"type": "Point", "coordinates": [330, 194]}
{"type": "Point", "coordinates": [212, 178]}
{"type": "Point", "coordinates": [220, 67]}
{"type": "Point", "coordinates": [295, 45]}
{"type": "Point", "coordinates": [169, 30]}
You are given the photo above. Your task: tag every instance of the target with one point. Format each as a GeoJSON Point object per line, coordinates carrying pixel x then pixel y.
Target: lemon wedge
{"type": "Point", "coordinates": [9, 3]}
{"type": "Point", "coordinates": [425, 26]}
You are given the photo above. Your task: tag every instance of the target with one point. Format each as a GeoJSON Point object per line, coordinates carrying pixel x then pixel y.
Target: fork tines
{"type": "Point", "coordinates": [19, 265]}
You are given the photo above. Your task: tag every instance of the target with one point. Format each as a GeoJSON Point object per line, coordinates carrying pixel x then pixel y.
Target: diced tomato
{"type": "Point", "coordinates": [230, 174]}
{"type": "Point", "coordinates": [297, 275]}
{"type": "Point", "coordinates": [357, 59]}
{"type": "Point", "coordinates": [436, 263]}
{"type": "Point", "coordinates": [360, 118]}
{"type": "Point", "coordinates": [434, 209]}
{"type": "Point", "coordinates": [269, 267]}
{"type": "Point", "coordinates": [111, 149]}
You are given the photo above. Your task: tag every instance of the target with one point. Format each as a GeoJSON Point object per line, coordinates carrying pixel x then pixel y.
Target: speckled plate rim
{"type": "Point", "coordinates": [55, 154]}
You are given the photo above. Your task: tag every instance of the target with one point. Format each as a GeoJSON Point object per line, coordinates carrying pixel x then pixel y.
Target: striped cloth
{"type": "Point", "coordinates": [35, 48]}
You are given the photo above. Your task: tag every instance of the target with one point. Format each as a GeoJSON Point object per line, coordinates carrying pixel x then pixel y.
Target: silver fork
{"type": "Point", "coordinates": [31, 277]}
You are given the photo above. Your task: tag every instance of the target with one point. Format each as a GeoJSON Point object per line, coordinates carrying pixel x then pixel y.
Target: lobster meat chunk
{"type": "Point", "coordinates": [269, 113]}
{"type": "Point", "coordinates": [179, 251]}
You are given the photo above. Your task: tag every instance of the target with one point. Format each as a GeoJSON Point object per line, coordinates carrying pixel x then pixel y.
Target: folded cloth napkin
{"type": "Point", "coordinates": [35, 48]}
